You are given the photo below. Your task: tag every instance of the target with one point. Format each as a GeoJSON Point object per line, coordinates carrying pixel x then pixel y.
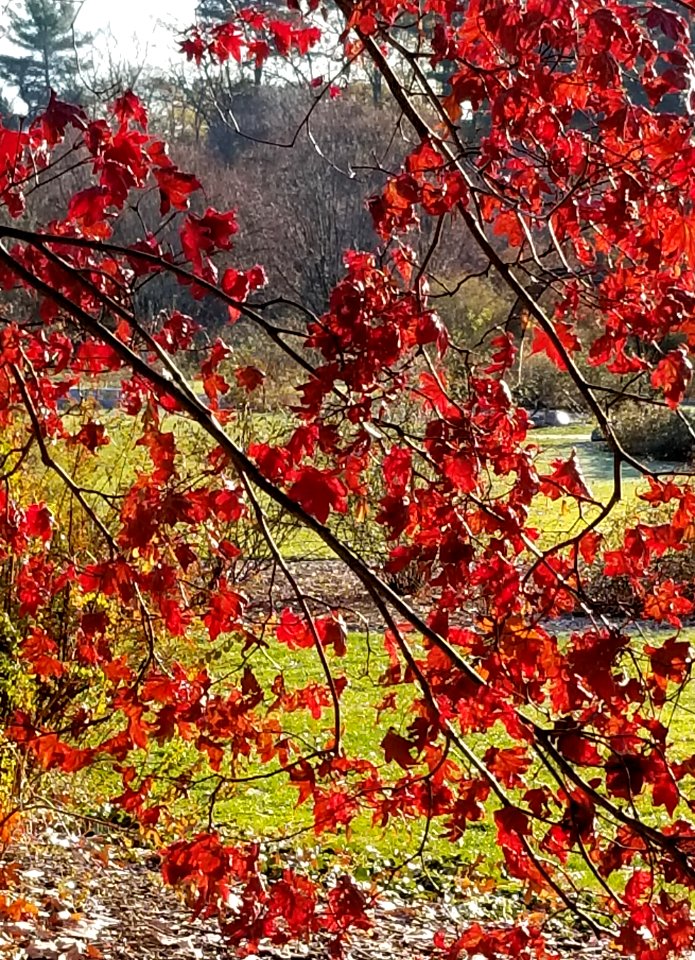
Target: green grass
{"type": "Point", "coordinates": [268, 808]}
{"type": "Point", "coordinates": [271, 809]}
{"type": "Point", "coordinates": [120, 460]}
{"type": "Point", "coordinates": [558, 519]}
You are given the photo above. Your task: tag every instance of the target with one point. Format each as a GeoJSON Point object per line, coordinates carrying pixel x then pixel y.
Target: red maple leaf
{"type": "Point", "coordinates": [40, 650]}
{"type": "Point", "coordinates": [564, 335]}
{"type": "Point", "coordinates": [293, 630]}
{"type": "Point", "coordinates": [175, 188]}
{"type": "Point", "coordinates": [318, 492]}
{"type": "Point", "coordinates": [250, 378]}
{"type": "Point", "coordinates": [672, 375]}
{"type": "Point", "coordinates": [397, 749]}
{"type": "Point", "coordinates": [227, 42]}
{"type": "Point", "coordinates": [129, 107]}
{"type": "Point", "coordinates": [566, 479]}
{"type": "Point", "coordinates": [91, 435]}
{"type": "Point", "coordinates": [38, 521]}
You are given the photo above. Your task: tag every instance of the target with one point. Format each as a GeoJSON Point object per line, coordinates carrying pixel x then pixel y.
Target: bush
{"type": "Point", "coordinates": [472, 310]}
{"type": "Point", "coordinates": [621, 595]}
{"type": "Point", "coordinates": [541, 385]}
{"type": "Point", "coordinates": [655, 432]}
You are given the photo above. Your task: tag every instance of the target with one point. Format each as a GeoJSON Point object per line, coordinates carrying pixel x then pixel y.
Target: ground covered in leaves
{"type": "Point", "coordinates": [68, 896]}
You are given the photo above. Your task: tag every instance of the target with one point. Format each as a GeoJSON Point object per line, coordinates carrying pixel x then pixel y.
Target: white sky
{"type": "Point", "coordinates": [126, 31]}
{"type": "Point", "coordinates": [134, 26]}
{"type": "Point", "coordinates": [138, 26]}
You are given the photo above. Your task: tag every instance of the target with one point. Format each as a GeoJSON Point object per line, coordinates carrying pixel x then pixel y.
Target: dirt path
{"type": "Point", "coordinates": [87, 899]}
{"type": "Point", "coordinates": [328, 584]}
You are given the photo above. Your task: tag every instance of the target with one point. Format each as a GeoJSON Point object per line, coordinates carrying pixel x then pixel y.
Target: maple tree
{"type": "Point", "coordinates": [577, 181]}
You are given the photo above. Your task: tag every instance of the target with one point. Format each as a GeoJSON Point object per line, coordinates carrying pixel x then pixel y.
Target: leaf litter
{"type": "Point", "coordinates": [70, 896]}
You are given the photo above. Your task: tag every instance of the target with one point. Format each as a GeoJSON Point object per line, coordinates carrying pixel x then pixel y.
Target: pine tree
{"type": "Point", "coordinates": [43, 31]}
{"type": "Point", "coordinates": [214, 9]}
{"type": "Point", "coordinates": [5, 110]}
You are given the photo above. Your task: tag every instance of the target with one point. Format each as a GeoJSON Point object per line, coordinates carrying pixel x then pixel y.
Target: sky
{"type": "Point", "coordinates": [127, 31]}
{"type": "Point", "coordinates": [138, 25]}
{"type": "Point", "coordinates": [134, 26]}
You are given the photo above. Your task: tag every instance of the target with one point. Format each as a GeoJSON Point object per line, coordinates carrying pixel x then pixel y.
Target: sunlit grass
{"type": "Point", "coordinates": [268, 808]}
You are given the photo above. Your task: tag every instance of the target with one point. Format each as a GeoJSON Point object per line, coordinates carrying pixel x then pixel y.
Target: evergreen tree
{"type": "Point", "coordinates": [5, 111]}
{"type": "Point", "coordinates": [42, 31]}
{"type": "Point", "coordinates": [214, 9]}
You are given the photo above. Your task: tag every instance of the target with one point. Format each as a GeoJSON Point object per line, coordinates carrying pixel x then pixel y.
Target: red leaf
{"type": "Point", "coordinates": [59, 115]}
{"type": "Point", "coordinates": [670, 24]}
{"type": "Point", "coordinates": [88, 211]}
{"type": "Point", "coordinates": [397, 749]}
{"type": "Point", "coordinates": [302, 776]}
{"type": "Point", "coordinates": [672, 375]}
{"type": "Point", "coordinates": [638, 887]}
{"type": "Point", "coordinates": [332, 632]}
{"type": "Point", "coordinates": [397, 469]}
{"type": "Point", "coordinates": [96, 357]}
{"type": "Point", "coordinates": [318, 493]}
{"type": "Point", "coordinates": [625, 775]}
{"type": "Point", "coordinates": [508, 764]}
{"type": "Point", "coordinates": [679, 239]}
{"type": "Point", "coordinates": [235, 284]}
{"type": "Point", "coordinates": [347, 907]}
{"type": "Point", "coordinates": [204, 235]}
{"type": "Point", "coordinates": [293, 630]}
{"type": "Point", "coordinates": [39, 649]}
{"type": "Point", "coordinates": [274, 462]}
{"type": "Point", "coordinates": [38, 521]}
{"type": "Point", "coordinates": [282, 34]}
{"type": "Point", "coordinates": [588, 545]}
{"type": "Point", "coordinates": [670, 662]}
{"type": "Point", "coordinates": [91, 435]}
{"type": "Point", "coordinates": [129, 107]}
{"type": "Point", "coordinates": [566, 479]}
{"type": "Point", "coordinates": [513, 822]}
{"type": "Point", "coordinates": [224, 612]}
{"type": "Point", "coordinates": [162, 450]}
{"type": "Point", "coordinates": [666, 602]}
{"type": "Point", "coordinates": [505, 354]}
{"type": "Point", "coordinates": [228, 504]}
{"type": "Point", "coordinates": [175, 188]}
{"type": "Point", "coordinates": [203, 862]}
{"type": "Point", "coordinates": [227, 42]}
{"type": "Point", "coordinates": [665, 793]}
{"type": "Point", "coordinates": [542, 343]}
{"type": "Point", "coordinates": [250, 378]}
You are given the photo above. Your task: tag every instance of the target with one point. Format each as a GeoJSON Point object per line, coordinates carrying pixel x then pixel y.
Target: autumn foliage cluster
{"type": "Point", "coordinates": [584, 178]}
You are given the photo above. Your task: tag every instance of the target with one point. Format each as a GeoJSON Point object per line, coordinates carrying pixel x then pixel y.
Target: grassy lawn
{"type": "Point", "coordinates": [268, 808]}
{"type": "Point", "coordinates": [120, 460]}
{"type": "Point", "coordinates": [557, 519]}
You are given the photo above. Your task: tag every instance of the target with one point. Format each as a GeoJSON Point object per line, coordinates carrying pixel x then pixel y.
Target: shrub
{"type": "Point", "coordinates": [655, 432]}
{"type": "Point", "coordinates": [473, 309]}
{"type": "Point", "coordinates": [623, 595]}
{"type": "Point", "coordinates": [541, 385]}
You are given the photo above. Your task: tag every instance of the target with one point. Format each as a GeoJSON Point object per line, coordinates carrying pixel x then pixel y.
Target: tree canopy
{"type": "Point", "coordinates": [511, 697]}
